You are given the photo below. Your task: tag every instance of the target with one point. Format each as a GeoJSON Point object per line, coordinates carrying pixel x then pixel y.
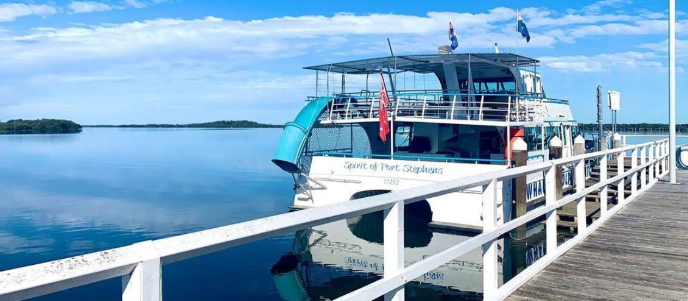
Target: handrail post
{"type": "Point", "coordinates": [393, 240]}
{"type": "Point", "coordinates": [643, 172]}
{"type": "Point", "coordinates": [551, 198]}
{"type": "Point", "coordinates": [348, 106]}
{"type": "Point", "coordinates": [605, 188]}
{"type": "Point", "coordinates": [144, 283]}
{"type": "Point", "coordinates": [666, 158]}
{"type": "Point", "coordinates": [490, 265]}
{"type": "Point", "coordinates": [650, 158]}
{"type": "Point", "coordinates": [453, 106]}
{"type": "Point", "coordinates": [482, 100]}
{"type": "Point", "coordinates": [634, 176]}
{"type": "Point", "coordinates": [580, 203]}
{"type": "Point", "coordinates": [660, 159]}
{"type": "Point", "coordinates": [620, 188]}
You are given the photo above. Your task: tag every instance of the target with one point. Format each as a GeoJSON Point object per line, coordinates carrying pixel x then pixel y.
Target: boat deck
{"type": "Point", "coordinates": [639, 254]}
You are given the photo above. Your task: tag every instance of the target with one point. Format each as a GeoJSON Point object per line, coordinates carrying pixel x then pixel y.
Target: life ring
{"type": "Point", "coordinates": [682, 152]}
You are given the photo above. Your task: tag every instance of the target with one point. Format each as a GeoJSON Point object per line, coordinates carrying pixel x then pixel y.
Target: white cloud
{"type": "Point", "coordinates": [604, 62]}
{"type": "Point", "coordinates": [12, 11]}
{"type": "Point", "coordinates": [663, 47]}
{"type": "Point", "coordinates": [79, 7]}
{"type": "Point", "coordinates": [135, 3]}
{"type": "Point", "coordinates": [598, 6]}
{"type": "Point", "coordinates": [166, 62]}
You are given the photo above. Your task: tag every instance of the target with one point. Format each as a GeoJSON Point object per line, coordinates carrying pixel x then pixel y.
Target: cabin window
{"type": "Point", "coordinates": [403, 135]}
{"type": "Point", "coordinates": [533, 138]}
{"type": "Point", "coordinates": [575, 131]}
{"type": "Point", "coordinates": [551, 131]}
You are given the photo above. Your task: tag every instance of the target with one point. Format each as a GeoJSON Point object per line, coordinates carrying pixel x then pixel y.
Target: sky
{"type": "Point", "coordinates": [183, 61]}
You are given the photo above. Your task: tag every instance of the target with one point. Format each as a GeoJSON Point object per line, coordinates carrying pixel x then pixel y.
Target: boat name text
{"type": "Point", "coordinates": [382, 167]}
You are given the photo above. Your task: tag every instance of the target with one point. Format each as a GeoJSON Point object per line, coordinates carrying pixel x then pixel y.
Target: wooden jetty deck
{"type": "Point", "coordinates": [641, 253]}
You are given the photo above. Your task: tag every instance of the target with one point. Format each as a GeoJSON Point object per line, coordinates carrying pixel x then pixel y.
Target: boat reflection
{"type": "Point", "coordinates": [331, 260]}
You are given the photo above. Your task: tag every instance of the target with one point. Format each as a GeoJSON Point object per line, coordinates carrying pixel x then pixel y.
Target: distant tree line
{"type": "Point", "coordinates": [213, 124]}
{"type": "Point", "coordinates": [40, 126]}
{"type": "Point", "coordinates": [634, 127]}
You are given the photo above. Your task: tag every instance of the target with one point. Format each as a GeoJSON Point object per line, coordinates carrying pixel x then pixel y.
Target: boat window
{"type": "Point", "coordinates": [551, 131]}
{"type": "Point", "coordinates": [575, 131]}
{"type": "Point", "coordinates": [533, 138]}
{"type": "Point", "coordinates": [402, 136]}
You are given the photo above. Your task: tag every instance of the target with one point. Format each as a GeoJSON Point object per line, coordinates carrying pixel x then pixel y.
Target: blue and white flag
{"type": "Point", "coordinates": [522, 27]}
{"type": "Point", "coordinates": [452, 37]}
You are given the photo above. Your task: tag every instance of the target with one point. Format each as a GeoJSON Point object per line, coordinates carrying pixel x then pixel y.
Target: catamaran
{"type": "Point", "coordinates": [465, 126]}
{"type": "Point", "coordinates": [443, 117]}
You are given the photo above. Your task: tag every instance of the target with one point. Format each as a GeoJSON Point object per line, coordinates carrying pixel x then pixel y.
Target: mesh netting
{"type": "Point", "coordinates": [348, 138]}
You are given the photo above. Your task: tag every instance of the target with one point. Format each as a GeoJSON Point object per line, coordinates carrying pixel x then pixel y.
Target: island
{"type": "Point", "coordinates": [221, 124]}
{"type": "Point", "coordinates": [39, 126]}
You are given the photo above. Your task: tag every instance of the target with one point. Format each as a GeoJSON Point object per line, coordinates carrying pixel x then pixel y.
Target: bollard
{"type": "Point", "coordinates": [579, 145]}
{"type": "Point", "coordinates": [617, 140]}
{"type": "Point", "coordinates": [519, 245]}
{"type": "Point", "coordinates": [555, 152]}
{"type": "Point", "coordinates": [520, 157]}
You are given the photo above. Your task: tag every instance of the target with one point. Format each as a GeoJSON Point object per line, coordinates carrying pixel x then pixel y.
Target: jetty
{"type": "Point", "coordinates": [637, 248]}
{"type": "Point", "coordinates": [640, 254]}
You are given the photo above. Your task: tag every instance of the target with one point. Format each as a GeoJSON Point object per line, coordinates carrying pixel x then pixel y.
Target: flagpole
{"type": "Point", "coordinates": [394, 96]}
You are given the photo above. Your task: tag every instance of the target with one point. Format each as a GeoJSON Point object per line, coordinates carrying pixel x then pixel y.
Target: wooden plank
{"type": "Point", "coordinates": [641, 253]}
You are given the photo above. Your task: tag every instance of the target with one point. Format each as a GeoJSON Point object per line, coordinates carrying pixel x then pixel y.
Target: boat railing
{"type": "Point", "coordinates": [501, 106]}
{"type": "Point", "coordinates": [410, 157]}
{"type": "Point", "coordinates": [140, 264]}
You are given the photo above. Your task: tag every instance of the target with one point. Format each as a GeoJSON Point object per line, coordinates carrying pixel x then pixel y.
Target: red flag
{"type": "Point", "coordinates": [382, 109]}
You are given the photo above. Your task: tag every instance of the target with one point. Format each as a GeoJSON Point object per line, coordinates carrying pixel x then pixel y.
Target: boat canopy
{"type": "Point", "coordinates": [430, 63]}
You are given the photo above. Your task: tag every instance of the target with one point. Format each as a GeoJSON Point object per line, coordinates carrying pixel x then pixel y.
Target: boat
{"type": "Point", "coordinates": [450, 116]}
{"type": "Point", "coordinates": [477, 105]}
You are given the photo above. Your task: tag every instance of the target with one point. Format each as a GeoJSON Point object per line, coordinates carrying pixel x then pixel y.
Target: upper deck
{"type": "Point", "coordinates": [497, 89]}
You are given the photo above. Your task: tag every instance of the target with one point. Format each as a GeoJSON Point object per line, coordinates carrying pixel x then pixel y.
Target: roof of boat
{"type": "Point", "coordinates": [425, 63]}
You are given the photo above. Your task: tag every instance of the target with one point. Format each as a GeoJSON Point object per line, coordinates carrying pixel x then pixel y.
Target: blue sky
{"type": "Point", "coordinates": [180, 61]}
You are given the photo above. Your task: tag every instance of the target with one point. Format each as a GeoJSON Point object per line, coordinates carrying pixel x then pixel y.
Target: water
{"type": "Point", "coordinates": [66, 195]}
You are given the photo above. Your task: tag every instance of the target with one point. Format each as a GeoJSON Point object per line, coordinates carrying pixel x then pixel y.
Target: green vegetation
{"type": "Point", "coordinates": [635, 127]}
{"type": "Point", "coordinates": [40, 126]}
{"type": "Point", "coordinates": [222, 124]}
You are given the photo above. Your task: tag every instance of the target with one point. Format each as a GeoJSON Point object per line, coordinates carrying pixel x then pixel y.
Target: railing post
{"type": "Point", "coordinates": [634, 176]}
{"type": "Point", "coordinates": [660, 162]}
{"type": "Point", "coordinates": [579, 177]}
{"type": "Point", "coordinates": [393, 240]}
{"type": "Point", "coordinates": [144, 283]}
{"type": "Point", "coordinates": [453, 106]}
{"type": "Point", "coordinates": [650, 158]}
{"type": "Point", "coordinates": [665, 161]}
{"type": "Point", "coordinates": [643, 172]}
{"type": "Point", "coordinates": [605, 188]}
{"type": "Point", "coordinates": [490, 265]}
{"type": "Point", "coordinates": [620, 187]}
{"type": "Point", "coordinates": [551, 198]}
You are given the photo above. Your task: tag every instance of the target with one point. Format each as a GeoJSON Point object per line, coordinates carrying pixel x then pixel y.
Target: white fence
{"type": "Point", "coordinates": [139, 264]}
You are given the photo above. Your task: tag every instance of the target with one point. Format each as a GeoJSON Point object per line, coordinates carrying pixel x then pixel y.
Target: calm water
{"type": "Point", "coordinates": [64, 195]}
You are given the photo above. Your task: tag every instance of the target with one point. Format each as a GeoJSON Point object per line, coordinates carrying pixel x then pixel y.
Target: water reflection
{"type": "Point", "coordinates": [331, 260]}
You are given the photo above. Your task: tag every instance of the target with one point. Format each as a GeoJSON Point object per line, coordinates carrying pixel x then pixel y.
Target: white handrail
{"type": "Point", "coordinates": [140, 264]}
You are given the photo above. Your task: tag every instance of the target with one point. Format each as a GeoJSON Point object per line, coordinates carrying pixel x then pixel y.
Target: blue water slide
{"type": "Point", "coordinates": [295, 133]}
